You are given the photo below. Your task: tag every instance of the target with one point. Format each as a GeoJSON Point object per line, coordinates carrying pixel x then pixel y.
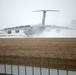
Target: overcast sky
{"type": "Point", "coordinates": [19, 12]}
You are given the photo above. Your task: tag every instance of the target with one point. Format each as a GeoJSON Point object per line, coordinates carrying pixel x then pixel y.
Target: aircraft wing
{"type": "Point", "coordinates": [16, 28]}
{"type": "Point", "coordinates": [60, 27]}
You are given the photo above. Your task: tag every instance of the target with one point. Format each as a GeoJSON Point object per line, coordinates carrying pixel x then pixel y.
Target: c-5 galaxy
{"type": "Point", "coordinates": [35, 29]}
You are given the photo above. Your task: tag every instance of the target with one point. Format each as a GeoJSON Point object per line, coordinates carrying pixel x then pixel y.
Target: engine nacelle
{"type": "Point", "coordinates": [9, 32]}
{"type": "Point", "coordinates": [17, 31]}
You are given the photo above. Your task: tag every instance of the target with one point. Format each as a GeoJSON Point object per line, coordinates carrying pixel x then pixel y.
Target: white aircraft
{"type": "Point", "coordinates": [35, 29]}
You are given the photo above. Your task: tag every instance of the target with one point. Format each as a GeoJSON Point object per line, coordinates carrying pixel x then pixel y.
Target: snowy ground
{"type": "Point", "coordinates": [36, 70]}
{"type": "Point", "coordinates": [45, 34]}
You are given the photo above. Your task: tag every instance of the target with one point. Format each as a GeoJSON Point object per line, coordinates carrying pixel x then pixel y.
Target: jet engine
{"type": "Point", "coordinates": [9, 32]}
{"type": "Point", "coordinates": [17, 31]}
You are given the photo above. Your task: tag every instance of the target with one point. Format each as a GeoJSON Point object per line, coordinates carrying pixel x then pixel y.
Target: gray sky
{"type": "Point", "coordinates": [19, 12]}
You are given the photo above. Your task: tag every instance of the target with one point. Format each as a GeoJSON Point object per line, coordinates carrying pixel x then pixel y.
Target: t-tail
{"type": "Point", "coordinates": [44, 14]}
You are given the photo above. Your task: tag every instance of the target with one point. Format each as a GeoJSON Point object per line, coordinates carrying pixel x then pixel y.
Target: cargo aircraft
{"type": "Point", "coordinates": [38, 28]}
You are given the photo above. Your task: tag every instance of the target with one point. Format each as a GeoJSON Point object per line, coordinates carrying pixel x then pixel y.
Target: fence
{"type": "Point", "coordinates": [35, 62]}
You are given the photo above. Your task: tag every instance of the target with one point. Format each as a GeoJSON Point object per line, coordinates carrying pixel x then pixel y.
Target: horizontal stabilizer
{"type": "Point", "coordinates": [46, 10]}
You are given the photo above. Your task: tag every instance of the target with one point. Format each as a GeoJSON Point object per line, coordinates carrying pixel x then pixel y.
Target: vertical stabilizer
{"type": "Point", "coordinates": [44, 14]}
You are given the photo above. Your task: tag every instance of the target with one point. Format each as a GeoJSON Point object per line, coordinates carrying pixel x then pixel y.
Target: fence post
{"type": "Point", "coordinates": [40, 65]}
{"type": "Point", "coordinates": [66, 67]}
{"type": "Point", "coordinates": [57, 66]}
{"type": "Point", "coordinates": [4, 64]}
{"type": "Point", "coordinates": [25, 65]}
{"type": "Point", "coordinates": [32, 65]}
{"type": "Point", "coordinates": [11, 64]}
{"type": "Point", "coordinates": [48, 66]}
{"type": "Point", "coordinates": [18, 65]}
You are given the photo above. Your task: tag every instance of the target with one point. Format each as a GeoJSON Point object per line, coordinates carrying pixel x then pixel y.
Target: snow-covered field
{"type": "Point", "coordinates": [36, 70]}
